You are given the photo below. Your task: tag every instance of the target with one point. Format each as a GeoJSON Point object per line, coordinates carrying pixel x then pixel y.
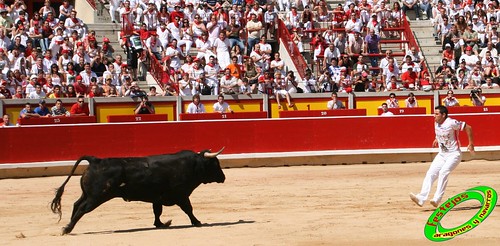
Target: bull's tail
{"type": "Point", "coordinates": [56, 202]}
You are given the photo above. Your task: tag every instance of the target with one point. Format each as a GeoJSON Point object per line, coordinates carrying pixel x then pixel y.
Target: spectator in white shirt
{"type": "Point", "coordinates": [221, 106]}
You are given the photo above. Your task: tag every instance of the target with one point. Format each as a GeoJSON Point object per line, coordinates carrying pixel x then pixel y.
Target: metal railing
{"type": "Point", "coordinates": [127, 26]}
{"type": "Point", "coordinates": [92, 4]}
{"type": "Point", "coordinates": [292, 49]}
{"type": "Point", "coordinates": [412, 42]}
{"type": "Point", "coordinates": [155, 67]}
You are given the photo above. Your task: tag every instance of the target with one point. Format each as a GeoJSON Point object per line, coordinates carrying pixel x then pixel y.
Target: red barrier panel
{"type": "Point", "coordinates": [473, 109]}
{"type": "Point", "coordinates": [242, 136]}
{"type": "Point", "coordinates": [322, 113]}
{"type": "Point", "coordinates": [137, 117]}
{"type": "Point", "coordinates": [57, 120]}
{"type": "Point", "coordinates": [219, 116]}
{"type": "Point", "coordinates": [403, 111]}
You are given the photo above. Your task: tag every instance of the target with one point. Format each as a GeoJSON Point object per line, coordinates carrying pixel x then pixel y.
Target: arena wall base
{"type": "Point", "coordinates": [342, 157]}
{"type": "Point", "coordinates": [47, 169]}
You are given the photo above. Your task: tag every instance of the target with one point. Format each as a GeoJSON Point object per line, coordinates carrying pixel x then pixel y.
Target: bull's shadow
{"type": "Point", "coordinates": [173, 227]}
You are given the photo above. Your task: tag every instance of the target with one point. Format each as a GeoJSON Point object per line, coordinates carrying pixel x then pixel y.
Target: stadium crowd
{"type": "Point", "coordinates": [211, 47]}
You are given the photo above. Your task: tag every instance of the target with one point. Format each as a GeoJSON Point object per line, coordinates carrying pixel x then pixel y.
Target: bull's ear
{"type": "Point", "coordinates": [213, 155]}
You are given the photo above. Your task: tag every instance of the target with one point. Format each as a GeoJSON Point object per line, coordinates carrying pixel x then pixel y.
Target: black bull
{"type": "Point", "coordinates": [164, 180]}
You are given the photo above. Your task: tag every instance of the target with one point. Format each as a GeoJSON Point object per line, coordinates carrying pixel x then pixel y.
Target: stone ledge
{"type": "Point", "coordinates": [336, 157]}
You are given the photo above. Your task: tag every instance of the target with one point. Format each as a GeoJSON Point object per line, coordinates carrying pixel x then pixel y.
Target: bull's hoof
{"type": "Point", "coordinates": [197, 224]}
{"type": "Point", "coordinates": [65, 230]}
{"type": "Point", "coordinates": [163, 225]}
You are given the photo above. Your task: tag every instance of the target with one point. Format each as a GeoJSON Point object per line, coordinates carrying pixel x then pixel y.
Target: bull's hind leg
{"type": "Point", "coordinates": [77, 204]}
{"type": "Point", "coordinates": [157, 210]}
{"type": "Point", "coordinates": [82, 206]}
{"type": "Point", "coordinates": [185, 205]}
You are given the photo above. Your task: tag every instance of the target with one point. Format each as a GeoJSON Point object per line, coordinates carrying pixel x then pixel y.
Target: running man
{"type": "Point", "coordinates": [447, 159]}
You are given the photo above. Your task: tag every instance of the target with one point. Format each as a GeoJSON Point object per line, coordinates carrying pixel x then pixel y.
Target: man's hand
{"type": "Point", "coordinates": [470, 148]}
{"type": "Point", "coordinates": [435, 143]}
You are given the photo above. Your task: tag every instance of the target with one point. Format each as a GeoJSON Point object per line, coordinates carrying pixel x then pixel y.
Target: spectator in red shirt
{"type": "Point", "coordinates": [176, 13]}
{"type": "Point", "coordinates": [79, 109]}
{"type": "Point", "coordinates": [409, 78]}
{"type": "Point", "coordinates": [4, 92]}
{"type": "Point", "coordinates": [80, 88]}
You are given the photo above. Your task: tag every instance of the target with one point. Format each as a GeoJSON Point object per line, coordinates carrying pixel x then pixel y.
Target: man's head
{"type": "Point", "coordinates": [220, 98]}
{"type": "Point", "coordinates": [57, 89]}
{"type": "Point", "coordinates": [440, 114]}
{"type": "Point", "coordinates": [196, 99]}
{"type": "Point", "coordinates": [58, 103]}
{"type": "Point", "coordinates": [38, 88]}
{"type": "Point", "coordinates": [41, 103]}
{"type": "Point", "coordinates": [385, 108]}
{"type": "Point", "coordinates": [253, 16]}
{"type": "Point", "coordinates": [80, 101]}
{"type": "Point", "coordinates": [134, 86]}
{"type": "Point", "coordinates": [6, 119]}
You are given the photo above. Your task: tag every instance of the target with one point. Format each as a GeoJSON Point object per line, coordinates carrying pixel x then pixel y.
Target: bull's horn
{"type": "Point", "coordinates": [212, 155]}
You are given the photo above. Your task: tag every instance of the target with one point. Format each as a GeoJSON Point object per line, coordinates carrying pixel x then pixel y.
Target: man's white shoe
{"type": "Point", "coordinates": [415, 199]}
{"type": "Point", "coordinates": [434, 203]}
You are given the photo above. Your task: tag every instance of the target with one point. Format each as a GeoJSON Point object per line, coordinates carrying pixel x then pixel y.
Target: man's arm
{"type": "Point", "coordinates": [379, 44]}
{"type": "Point", "coordinates": [229, 109]}
{"type": "Point", "coordinates": [470, 136]}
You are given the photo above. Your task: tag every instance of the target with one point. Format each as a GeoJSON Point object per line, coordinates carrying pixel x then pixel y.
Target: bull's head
{"type": "Point", "coordinates": [210, 170]}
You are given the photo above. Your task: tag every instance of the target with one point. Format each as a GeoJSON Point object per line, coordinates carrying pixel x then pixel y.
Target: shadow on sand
{"type": "Point", "coordinates": [172, 227]}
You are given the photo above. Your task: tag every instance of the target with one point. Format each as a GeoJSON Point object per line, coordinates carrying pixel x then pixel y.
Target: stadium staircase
{"type": "Point", "coordinates": [430, 47]}
{"type": "Point", "coordinates": [422, 30]}
{"type": "Point", "coordinates": [103, 27]}
{"type": "Point", "coordinates": [390, 43]}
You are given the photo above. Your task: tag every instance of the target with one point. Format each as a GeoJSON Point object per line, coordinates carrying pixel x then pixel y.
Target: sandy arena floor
{"type": "Point", "coordinates": [305, 205]}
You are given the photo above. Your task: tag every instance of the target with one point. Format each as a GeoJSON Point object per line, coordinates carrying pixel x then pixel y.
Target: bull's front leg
{"type": "Point", "coordinates": [185, 205]}
{"type": "Point", "coordinates": [157, 210]}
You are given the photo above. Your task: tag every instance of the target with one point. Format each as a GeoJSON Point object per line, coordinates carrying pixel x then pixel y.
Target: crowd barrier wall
{"type": "Point", "coordinates": [402, 111]}
{"type": "Point", "coordinates": [69, 142]}
{"type": "Point", "coordinates": [137, 118]}
{"type": "Point", "coordinates": [105, 107]}
{"type": "Point", "coordinates": [56, 120]}
{"type": "Point", "coordinates": [322, 113]}
{"type": "Point", "coordinates": [477, 109]}
{"type": "Point", "coordinates": [219, 116]}
{"type": "Point", "coordinates": [238, 103]}
{"type": "Point", "coordinates": [174, 106]}
{"type": "Point", "coordinates": [372, 102]}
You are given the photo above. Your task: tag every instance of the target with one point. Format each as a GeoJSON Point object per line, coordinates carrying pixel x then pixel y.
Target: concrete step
{"type": "Point", "coordinates": [144, 85]}
{"type": "Point", "coordinates": [410, 14]}
{"type": "Point", "coordinates": [109, 30]}
{"type": "Point", "coordinates": [423, 31]}
{"type": "Point", "coordinates": [101, 14]}
{"type": "Point", "coordinates": [428, 42]}
{"type": "Point", "coordinates": [421, 23]}
{"type": "Point", "coordinates": [433, 59]}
